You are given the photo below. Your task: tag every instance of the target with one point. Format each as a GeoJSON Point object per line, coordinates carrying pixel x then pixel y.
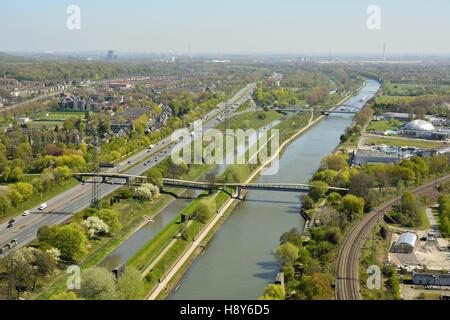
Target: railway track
{"type": "Point", "coordinates": [347, 264]}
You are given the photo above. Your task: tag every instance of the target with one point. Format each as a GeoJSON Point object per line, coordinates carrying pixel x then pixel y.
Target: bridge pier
{"type": "Point", "coordinates": [238, 193]}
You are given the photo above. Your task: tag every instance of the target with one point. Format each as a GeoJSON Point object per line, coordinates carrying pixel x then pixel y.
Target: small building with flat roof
{"type": "Point", "coordinates": [362, 157]}
{"type": "Point", "coordinates": [431, 279]}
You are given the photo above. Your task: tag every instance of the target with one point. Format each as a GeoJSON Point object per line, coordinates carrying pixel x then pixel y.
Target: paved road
{"type": "Point", "coordinates": [347, 264]}
{"type": "Point", "coordinates": [62, 207]}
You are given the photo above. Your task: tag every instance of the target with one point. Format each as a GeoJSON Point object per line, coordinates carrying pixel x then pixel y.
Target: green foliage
{"type": "Point", "coordinates": [334, 199]}
{"type": "Point", "coordinates": [146, 192]}
{"type": "Point", "coordinates": [274, 292]}
{"type": "Point", "coordinates": [292, 236]}
{"type": "Point", "coordinates": [25, 267]}
{"type": "Point", "coordinates": [352, 206]}
{"type": "Point", "coordinates": [130, 285]}
{"type": "Point", "coordinates": [335, 162]}
{"type": "Point", "coordinates": [69, 239]}
{"type": "Point", "coordinates": [155, 177]}
{"type": "Point", "coordinates": [287, 253]}
{"type": "Point", "coordinates": [317, 189]}
{"type": "Point", "coordinates": [98, 284]}
{"type": "Point", "coordinates": [315, 287]}
{"type": "Point", "coordinates": [444, 210]}
{"type": "Point", "coordinates": [307, 202]}
{"type": "Point", "coordinates": [111, 218]}
{"type": "Point", "coordinates": [204, 209]}
{"type": "Point", "coordinates": [410, 211]}
{"type": "Point", "coordinates": [124, 193]}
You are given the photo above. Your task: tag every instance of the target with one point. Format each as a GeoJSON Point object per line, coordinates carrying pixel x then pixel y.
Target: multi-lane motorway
{"type": "Point", "coordinates": [347, 264]}
{"type": "Point", "coordinates": [62, 207]}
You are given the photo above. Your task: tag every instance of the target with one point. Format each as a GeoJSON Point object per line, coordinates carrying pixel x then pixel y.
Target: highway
{"type": "Point", "coordinates": [347, 264]}
{"type": "Point", "coordinates": [62, 207]}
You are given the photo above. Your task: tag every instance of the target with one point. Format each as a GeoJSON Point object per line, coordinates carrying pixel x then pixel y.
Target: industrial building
{"type": "Point", "coordinates": [422, 129]}
{"type": "Point", "coordinates": [406, 243]}
{"type": "Point", "coordinates": [363, 157]}
{"type": "Point", "coordinates": [431, 279]}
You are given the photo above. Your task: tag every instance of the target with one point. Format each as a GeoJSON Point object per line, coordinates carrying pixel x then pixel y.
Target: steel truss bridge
{"type": "Point", "coordinates": [125, 179]}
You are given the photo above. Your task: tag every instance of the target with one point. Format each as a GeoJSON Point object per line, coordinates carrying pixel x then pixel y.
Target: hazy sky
{"type": "Point", "coordinates": [227, 26]}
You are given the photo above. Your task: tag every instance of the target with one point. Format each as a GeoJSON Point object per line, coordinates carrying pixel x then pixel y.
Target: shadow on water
{"type": "Point", "coordinates": [271, 201]}
{"type": "Point", "coordinates": [272, 268]}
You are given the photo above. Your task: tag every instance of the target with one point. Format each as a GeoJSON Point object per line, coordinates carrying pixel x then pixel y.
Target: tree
{"type": "Point", "coordinates": [62, 173]}
{"type": "Point", "coordinates": [130, 285]}
{"type": "Point", "coordinates": [334, 198]}
{"type": "Point", "coordinates": [307, 202]}
{"type": "Point", "coordinates": [317, 189]}
{"type": "Point", "coordinates": [146, 192]}
{"type": "Point", "coordinates": [204, 209]}
{"type": "Point", "coordinates": [111, 218]}
{"type": "Point", "coordinates": [326, 176]}
{"type": "Point", "coordinates": [25, 189]}
{"type": "Point", "coordinates": [293, 236]}
{"type": "Point", "coordinates": [44, 262]}
{"type": "Point", "coordinates": [155, 177]}
{"type": "Point", "coordinates": [69, 239]}
{"type": "Point", "coordinates": [361, 184]}
{"type": "Point", "coordinates": [5, 203]}
{"type": "Point", "coordinates": [409, 211]}
{"type": "Point", "coordinates": [20, 273]}
{"type": "Point", "coordinates": [98, 284]}
{"type": "Point", "coordinates": [25, 266]}
{"type": "Point", "coordinates": [287, 253]}
{"type": "Point", "coordinates": [24, 151]}
{"type": "Point", "coordinates": [379, 172]}
{"type": "Point", "coordinates": [352, 206]}
{"type": "Point", "coordinates": [438, 164]}
{"type": "Point", "coordinates": [335, 162]}
{"type": "Point", "coordinates": [95, 227]}
{"type": "Point", "coordinates": [315, 287]}
{"type": "Point", "coordinates": [274, 292]}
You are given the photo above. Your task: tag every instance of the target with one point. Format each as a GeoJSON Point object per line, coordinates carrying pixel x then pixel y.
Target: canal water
{"type": "Point", "coordinates": [239, 262]}
{"type": "Point", "coordinates": [130, 247]}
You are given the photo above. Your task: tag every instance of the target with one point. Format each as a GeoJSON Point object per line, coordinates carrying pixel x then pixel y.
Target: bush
{"type": "Point", "coordinates": [317, 189]}
{"type": "Point", "coordinates": [125, 193]}
{"type": "Point", "coordinates": [111, 218]}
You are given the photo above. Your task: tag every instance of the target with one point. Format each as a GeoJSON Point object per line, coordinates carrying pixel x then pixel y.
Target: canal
{"type": "Point", "coordinates": [239, 261]}
{"type": "Point", "coordinates": [131, 246]}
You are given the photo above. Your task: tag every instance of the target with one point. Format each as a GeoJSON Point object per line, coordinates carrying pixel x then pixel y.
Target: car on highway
{"type": "Point", "coordinates": [26, 213]}
{"type": "Point", "coordinates": [11, 221]}
{"type": "Point", "coordinates": [9, 226]}
{"type": "Point", "coordinates": [43, 206]}
{"type": "Point", "coordinates": [13, 243]}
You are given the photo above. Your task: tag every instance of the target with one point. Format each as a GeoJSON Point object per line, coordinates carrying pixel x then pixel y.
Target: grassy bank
{"type": "Point", "coordinates": [401, 142]}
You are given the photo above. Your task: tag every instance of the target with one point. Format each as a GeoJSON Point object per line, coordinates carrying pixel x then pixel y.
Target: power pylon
{"type": "Point", "coordinates": [95, 200]}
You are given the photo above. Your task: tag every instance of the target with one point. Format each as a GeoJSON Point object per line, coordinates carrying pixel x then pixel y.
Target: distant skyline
{"type": "Point", "coordinates": [227, 27]}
